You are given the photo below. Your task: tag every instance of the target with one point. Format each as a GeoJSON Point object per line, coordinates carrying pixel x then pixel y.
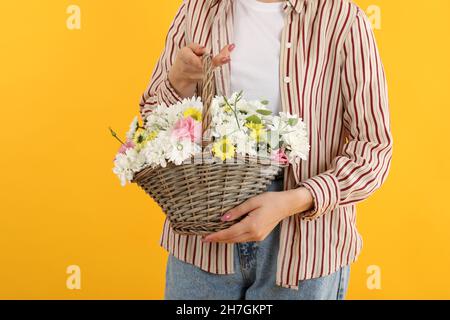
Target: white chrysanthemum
{"type": "Point", "coordinates": [273, 138]}
{"type": "Point", "coordinates": [157, 119]}
{"type": "Point", "coordinates": [133, 127]}
{"type": "Point", "coordinates": [179, 151]}
{"type": "Point", "coordinates": [286, 116]}
{"type": "Point", "coordinates": [225, 128]}
{"type": "Point", "coordinates": [164, 118]}
{"type": "Point", "coordinates": [173, 114]}
{"type": "Point", "coordinates": [193, 102]}
{"type": "Point", "coordinates": [295, 140]}
{"type": "Point", "coordinates": [244, 107]}
{"type": "Point", "coordinates": [234, 97]}
{"type": "Point", "coordinates": [298, 147]}
{"type": "Point", "coordinates": [274, 123]}
{"type": "Point", "coordinates": [126, 165]}
{"type": "Point", "coordinates": [217, 119]}
{"type": "Point", "coordinates": [249, 107]}
{"type": "Point", "coordinates": [244, 145]}
{"type": "Point", "coordinates": [154, 153]}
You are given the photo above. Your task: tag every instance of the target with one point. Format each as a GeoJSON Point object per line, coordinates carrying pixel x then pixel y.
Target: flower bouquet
{"type": "Point", "coordinates": [198, 160]}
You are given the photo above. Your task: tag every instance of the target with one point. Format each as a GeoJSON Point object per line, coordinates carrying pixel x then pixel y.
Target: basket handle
{"type": "Point", "coordinates": [208, 89]}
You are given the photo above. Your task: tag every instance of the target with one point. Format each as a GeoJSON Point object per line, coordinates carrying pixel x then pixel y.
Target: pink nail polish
{"type": "Point", "coordinates": [226, 217]}
{"type": "Point", "coordinates": [231, 47]}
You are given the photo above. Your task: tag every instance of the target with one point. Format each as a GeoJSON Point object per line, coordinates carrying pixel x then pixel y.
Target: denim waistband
{"type": "Point", "coordinates": [280, 176]}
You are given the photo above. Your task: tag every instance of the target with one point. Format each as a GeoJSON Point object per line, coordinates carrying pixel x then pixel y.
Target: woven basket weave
{"type": "Point", "coordinates": [195, 195]}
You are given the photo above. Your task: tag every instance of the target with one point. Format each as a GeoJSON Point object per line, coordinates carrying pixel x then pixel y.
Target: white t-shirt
{"type": "Point", "coordinates": [256, 58]}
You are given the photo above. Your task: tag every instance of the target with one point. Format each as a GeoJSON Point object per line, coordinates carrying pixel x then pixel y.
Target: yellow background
{"type": "Point", "coordinates": [61, 205]}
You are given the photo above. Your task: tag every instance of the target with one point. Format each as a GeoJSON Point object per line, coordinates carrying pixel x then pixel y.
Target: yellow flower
{"type": "Point", "coordinates": [257, 131]}
{"type": "Point", "coordinates": [152, 135]}
{"type": "Point", "coordinates": [141, 137]}
{"type": "Point", "coordinates": [228, 108]}
{"type": "Point", "coordinates": [223, 149]}
{"type": "Point", "coordinates": [194, 113]}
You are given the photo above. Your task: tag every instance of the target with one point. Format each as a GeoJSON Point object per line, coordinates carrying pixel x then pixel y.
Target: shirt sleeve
{"type": "Point", "coordinates": [159, 90]}
{"type": "Point", "coordinates": [363, 165]}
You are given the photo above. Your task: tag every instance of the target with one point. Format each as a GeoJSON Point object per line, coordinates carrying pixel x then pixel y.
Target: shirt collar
{"type": "Point", "coordinates": [296, 4]}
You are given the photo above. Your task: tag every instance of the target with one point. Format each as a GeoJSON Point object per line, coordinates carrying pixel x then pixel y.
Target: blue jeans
{"type": "Point", "coordinates": [255, 264]}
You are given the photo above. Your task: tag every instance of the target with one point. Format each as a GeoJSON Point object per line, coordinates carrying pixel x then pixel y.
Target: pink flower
{"type": "Point", "coordinates": [127, 145]}
{"type": "Point", "coordinates": [187, 128]}
{"type": "Point", "coordinates": [280, 157]}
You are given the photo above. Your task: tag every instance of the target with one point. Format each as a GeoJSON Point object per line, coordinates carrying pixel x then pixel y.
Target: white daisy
{"type": "Point", "coordinates": [126, 165]}
{"type": "Point", "coordinates": [154, 154]}
{"type": "Point", "coordinates": [133, 127]}
{"type": "Point", "coordinates": [179, 151]}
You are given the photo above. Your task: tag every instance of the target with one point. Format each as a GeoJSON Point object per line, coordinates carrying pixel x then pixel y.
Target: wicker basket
{"type": "Point", "coordinates": [194, 196]}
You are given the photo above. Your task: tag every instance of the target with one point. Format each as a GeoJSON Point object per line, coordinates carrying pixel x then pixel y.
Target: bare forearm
{"type": "Point", "coordinates": [298, 200]}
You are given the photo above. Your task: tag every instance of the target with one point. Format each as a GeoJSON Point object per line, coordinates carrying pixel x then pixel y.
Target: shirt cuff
{"type": "Point", "coordinates": [325, 191]}
{"type": "Point", "coordinates": [170, 95]}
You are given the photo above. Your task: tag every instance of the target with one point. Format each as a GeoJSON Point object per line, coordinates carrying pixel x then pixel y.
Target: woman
{"type": "Point", "coordinates": [314, 58]}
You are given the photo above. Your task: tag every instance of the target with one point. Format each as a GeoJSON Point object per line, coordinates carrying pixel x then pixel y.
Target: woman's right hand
{"type": "Point", "coordinates": [187, 70]}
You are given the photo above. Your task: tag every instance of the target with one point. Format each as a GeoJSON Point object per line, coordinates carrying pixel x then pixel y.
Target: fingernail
{"type": "Point", "coordinates": [231, 47]}
{"type": "Point", "coordinates": [226, 217]}
{"type": "Point", "coordinates": [225, 59]}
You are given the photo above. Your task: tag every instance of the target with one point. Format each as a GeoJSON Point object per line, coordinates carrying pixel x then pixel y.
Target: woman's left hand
{"type": "Point", "coordinates": [264, 212]}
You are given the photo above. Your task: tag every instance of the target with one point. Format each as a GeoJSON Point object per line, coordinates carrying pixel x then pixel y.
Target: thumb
{"type": "Point", "coordinates": [197, 49]}
{"type": "Point", "coordinates": [241, 210]}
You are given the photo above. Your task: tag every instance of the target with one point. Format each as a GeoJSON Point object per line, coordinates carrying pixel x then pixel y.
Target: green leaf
{"type": "Point", "coordinates": [254, 119]}
{"type": "Point", "coordinates": [265, 102]}
{"type": "Point", "coordinates": [264, 112]}
{"type": "Point", "coordinates": [293, 121]}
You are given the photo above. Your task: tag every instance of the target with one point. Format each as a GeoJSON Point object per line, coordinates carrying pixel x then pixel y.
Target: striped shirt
{"type": "Point", "coordinates": [331, 75]}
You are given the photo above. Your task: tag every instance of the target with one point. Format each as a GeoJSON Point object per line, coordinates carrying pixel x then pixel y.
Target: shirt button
{"type": "Point", "coordinates": [287, 79]}
{"type": "Point", "coordinates": [288, 45]}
